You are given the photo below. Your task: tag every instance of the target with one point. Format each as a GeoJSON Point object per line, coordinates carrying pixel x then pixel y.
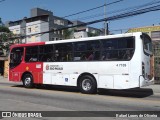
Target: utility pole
{"type": "Point", "coordinates": [105, 22]}
{"type": "Point", "coordinates": [105, 29]}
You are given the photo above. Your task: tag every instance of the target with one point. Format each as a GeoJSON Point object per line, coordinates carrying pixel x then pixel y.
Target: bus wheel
{"type": "Point", "coordinates": [28, 81]}
{"type": "Point", "coordinates": [88, 85]}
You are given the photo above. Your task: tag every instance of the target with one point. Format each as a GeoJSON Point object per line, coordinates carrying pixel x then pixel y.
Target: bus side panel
{"type": "Point", "coordinates": [106, 81]}
{"type": "Point", "coordinates": [16, 73]}
{"type": "Point", "coordinates": [62, 73]}
{"type": "Point", "coordinates": [35, 69]}
{"type": "Point", "coordinates": [67, 73]}
{"type": "Point", "coordinates": [136, 64]}
{"type": "Point", "coordinates": [112, 74]}
{"type": "Point", "coordinates": [121, 82]}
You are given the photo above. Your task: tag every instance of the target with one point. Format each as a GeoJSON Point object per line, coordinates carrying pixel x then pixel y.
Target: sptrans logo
{"type": "Point", "coordinates": [54, 67]}
{"type": "Point", "coordinates": [47, 67]}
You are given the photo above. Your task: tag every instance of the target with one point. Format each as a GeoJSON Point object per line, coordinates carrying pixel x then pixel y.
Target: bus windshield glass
{"type": "Point", "coordinates": [16, 57]}
{"type": "Point", "coordinates": [147, 44]}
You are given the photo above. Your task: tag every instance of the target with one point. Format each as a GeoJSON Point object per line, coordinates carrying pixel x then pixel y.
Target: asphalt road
{"type": "Point", "coordinates": [13, 97]}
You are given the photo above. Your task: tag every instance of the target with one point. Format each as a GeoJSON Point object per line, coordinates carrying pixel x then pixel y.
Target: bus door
{"type": "Point", "coordinates": [15, 68]}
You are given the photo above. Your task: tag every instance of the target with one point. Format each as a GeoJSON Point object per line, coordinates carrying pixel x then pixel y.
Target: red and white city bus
{"type": "Point", "coordinates": [120, 61]}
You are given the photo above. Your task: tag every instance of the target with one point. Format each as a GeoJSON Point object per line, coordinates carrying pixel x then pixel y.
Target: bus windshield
{"type": "Point", "coordinates": [16, 57]}
{"type": "Point", "coordinates": [147, 44]}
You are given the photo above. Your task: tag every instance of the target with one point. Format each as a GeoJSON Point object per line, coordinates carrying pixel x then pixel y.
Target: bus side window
{"type": "Point", "coordinates": [79, 51]}
{"type": "Point", "coordinates": [46, 53]}
{"type": "Point", "coordinates": [63, 52]}
{"type": "Point", "coordinates": [118, 49]}
{"type": "Point", "coordinates": [105, 56]}
{"type": "Point", "coordinates": [87, 50]}
{"type": "Point", "coordinates": [31, 54]}
{"type": "Point", "coordinates": [126, 48]}
{"type": "Point", "coordinates": [109, 49]}
{"type": "Point", "coordinates": [127, 55]}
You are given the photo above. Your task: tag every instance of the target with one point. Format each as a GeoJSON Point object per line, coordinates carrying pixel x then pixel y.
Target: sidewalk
{"type": "Point", "coordinates": [155, 87]}
{"type": "Point", "coordinates": [3, 79]}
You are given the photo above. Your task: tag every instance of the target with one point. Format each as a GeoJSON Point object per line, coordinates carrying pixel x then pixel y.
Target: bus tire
{"type": "Point", "coordinates": [28, 81]}
{"type": "Point", "coordinates": [88, 84]}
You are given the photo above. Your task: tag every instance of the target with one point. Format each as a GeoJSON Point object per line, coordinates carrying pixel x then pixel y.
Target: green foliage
{"type": "Point", "coordinates": [6, 39]}
{"type": "Point", "coordinates": [67, 33]}
{"type": "Point", "coordinates": [92, 34]}
{"type": "Point", "coordinates": [4, 29]}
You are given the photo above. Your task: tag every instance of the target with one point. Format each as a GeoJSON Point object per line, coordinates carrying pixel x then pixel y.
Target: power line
{"type": "Point", "coordinates": [135, 7]}
{"type": "Point", "coordinates": [114, 2]}
{"type": "Point", "coordinates": [132, 13]}
{"type": "Point", "coordinates": [83, 11]}
{"type": "Point", "coordinates": [2, 1]}
{"type": "Point", "coordinates": [93, 8]}
{"type": "Point", "coordinates": [116, 17]}
{"type": "Point", "coordinates": [121, 10]}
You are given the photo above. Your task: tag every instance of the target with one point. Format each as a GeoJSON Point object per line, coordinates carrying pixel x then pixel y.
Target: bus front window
{"type": "Point", "coordinates": [16, 57]}
{"type": "Point", "coordinates": [147, 43]}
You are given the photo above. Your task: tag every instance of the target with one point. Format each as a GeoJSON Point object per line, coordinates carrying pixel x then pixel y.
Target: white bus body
{"type": "Point", "coordinates": [108, 74]}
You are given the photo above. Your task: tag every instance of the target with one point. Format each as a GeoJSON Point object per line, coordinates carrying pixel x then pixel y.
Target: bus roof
{"type": "Point", "coordinates": [76, 40]}
{"type": "Point", "coordinates": [27, 44]}
{"type": "Point", "coordinates": [95, 38]}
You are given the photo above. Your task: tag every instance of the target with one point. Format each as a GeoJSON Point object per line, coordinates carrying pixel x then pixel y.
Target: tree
{"type": "Point", "coordinates": [1, 21]}
{"type": "Point", "coordinates": [4, 29]}
{"type": "Point", "coordinates": [92, 34]}
{"type": "Point", "coordinates": [5, 39]}
{"type": "Point", "coordinates": [67, 33]}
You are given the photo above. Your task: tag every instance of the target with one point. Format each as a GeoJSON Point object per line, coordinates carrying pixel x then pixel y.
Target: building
{"type": "Point", "coordinates": [40, 21]}
{"type": "Point", "coordinates": [154, 33]}
{"type": "Point", "coordinates": [85, 31]}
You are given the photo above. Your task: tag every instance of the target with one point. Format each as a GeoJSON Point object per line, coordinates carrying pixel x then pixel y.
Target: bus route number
{"type": "Point", "coordinates": [121, 65]}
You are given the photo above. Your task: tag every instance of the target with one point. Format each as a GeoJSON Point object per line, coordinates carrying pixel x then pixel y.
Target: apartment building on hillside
{"type": "Point", "coordinates": [40, 21]}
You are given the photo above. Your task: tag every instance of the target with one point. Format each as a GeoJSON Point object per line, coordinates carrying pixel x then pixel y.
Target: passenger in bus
{"type": "Point", "coordinates": [105, 56]}
{"type": "Point", "coordinates": [127, 55]}
{"type": "Point", "coordinates": [89, 56]}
